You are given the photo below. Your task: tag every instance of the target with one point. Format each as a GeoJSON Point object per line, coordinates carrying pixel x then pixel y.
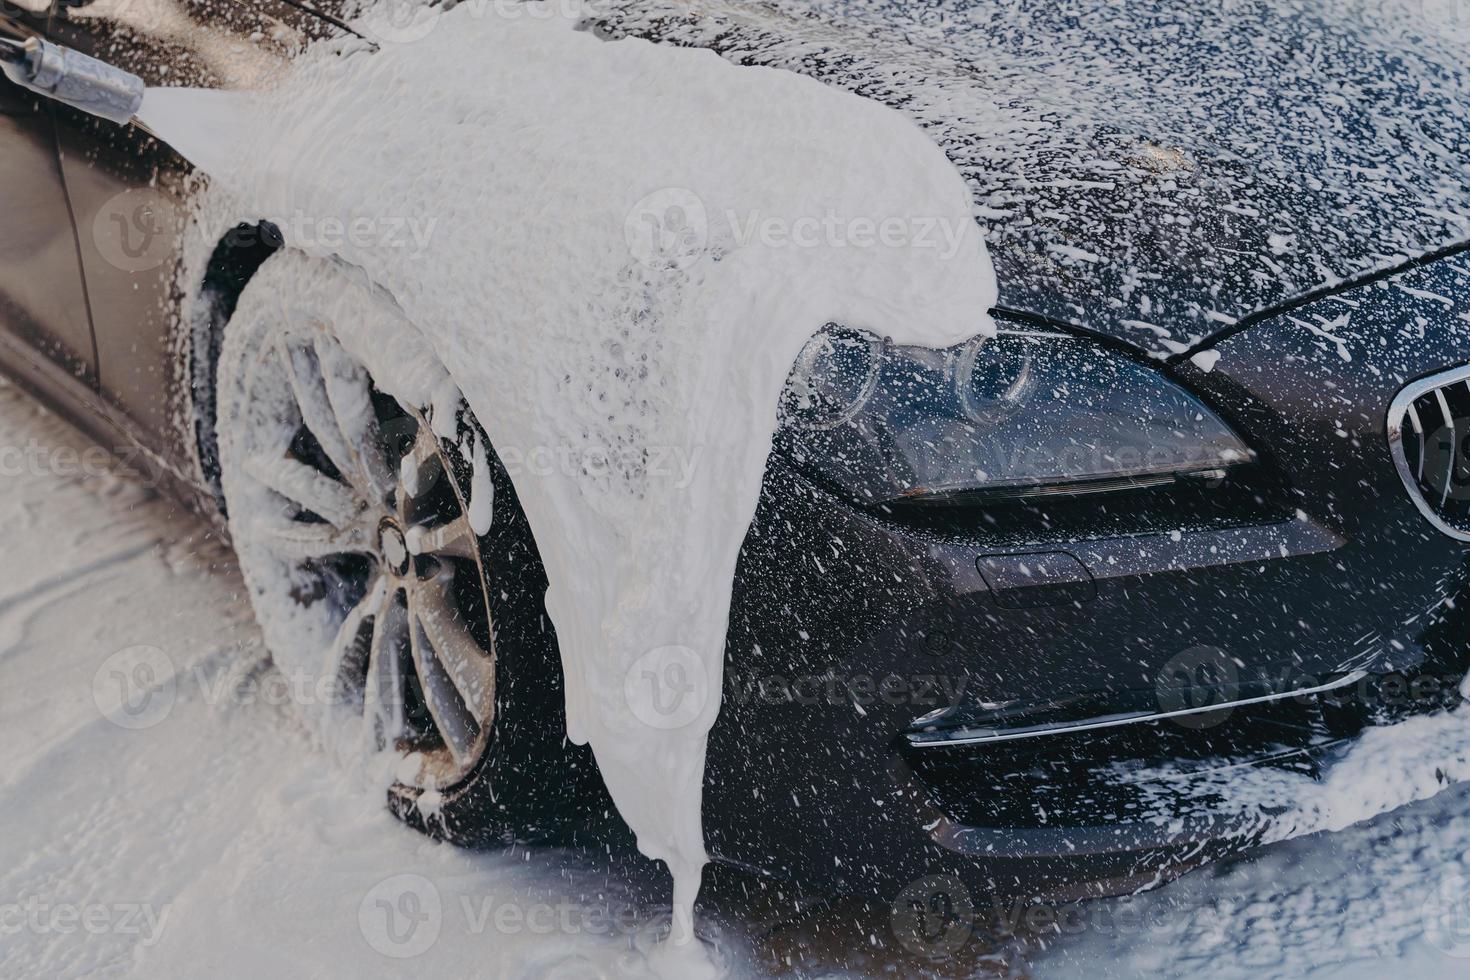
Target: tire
{"type": "Point", "coordinates": [357, 505]}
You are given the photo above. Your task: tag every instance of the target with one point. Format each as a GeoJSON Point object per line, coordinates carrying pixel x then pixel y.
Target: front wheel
{"type": "Point", "coordinates": [389, 563]}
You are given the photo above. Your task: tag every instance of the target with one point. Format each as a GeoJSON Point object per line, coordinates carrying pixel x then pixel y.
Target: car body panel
{"type": "Point", "coordinates": [129, 191]}
{"type": "Point", "coordinates": [836, 605]}
{"type": "Point", "coordinates": [1144, 172]}
{"type": "Point", "coordinates": [42, 302]}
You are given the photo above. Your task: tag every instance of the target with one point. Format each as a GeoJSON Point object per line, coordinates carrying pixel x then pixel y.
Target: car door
{"type": "Point", "coordinates": [129, 191]}
{"type": "Point", "coordinates": [42, 304]}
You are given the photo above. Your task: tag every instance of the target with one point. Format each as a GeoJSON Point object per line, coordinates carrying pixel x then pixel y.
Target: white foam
{"type": "Point", "coordinates": [630, 244]}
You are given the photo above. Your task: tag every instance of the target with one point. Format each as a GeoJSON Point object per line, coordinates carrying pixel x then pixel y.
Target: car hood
{"type": "Point", "coordinates": [1150, 170]}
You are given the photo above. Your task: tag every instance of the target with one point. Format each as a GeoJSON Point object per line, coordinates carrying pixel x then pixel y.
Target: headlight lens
{"type": "Point", "coordinates": [834, 376]}
{"type": "Point", "coordinates": [1019, 414]}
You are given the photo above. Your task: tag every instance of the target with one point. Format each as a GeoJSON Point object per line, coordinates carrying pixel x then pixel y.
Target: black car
{"type": "Point", "coordinates": [1020, 613]}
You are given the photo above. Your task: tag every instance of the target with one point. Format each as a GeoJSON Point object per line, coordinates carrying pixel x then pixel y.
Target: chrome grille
{"type": "Point", "coordinates": [1429, 434]}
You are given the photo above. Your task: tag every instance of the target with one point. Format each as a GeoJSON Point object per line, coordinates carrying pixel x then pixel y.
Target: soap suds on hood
{"type": "Point", "coordinates": [630, 245]}
{"type": "Point", "coordinates": [1211, 165]}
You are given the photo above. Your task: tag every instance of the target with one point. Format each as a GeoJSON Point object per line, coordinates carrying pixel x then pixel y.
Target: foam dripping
{"type": "Point", "coordinates": [605, 277]}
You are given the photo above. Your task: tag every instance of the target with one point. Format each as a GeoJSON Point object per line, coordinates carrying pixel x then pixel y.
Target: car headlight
{"type": "Point", "coordinates": [1019, 414]}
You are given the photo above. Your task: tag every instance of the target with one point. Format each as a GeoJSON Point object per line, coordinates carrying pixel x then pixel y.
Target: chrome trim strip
{"type": "Point", "coordinates": [1449, 417]}
{"type": "Point", "coordinates": [971, 736]}
{"type": "Point", "coordinates": [1397, 409]}
{"type": "Point", "coordinates": [1418, 434]}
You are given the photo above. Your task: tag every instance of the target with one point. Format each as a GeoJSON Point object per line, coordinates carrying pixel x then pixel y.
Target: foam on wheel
{"type": "Point", "coordinates": [391, 576]}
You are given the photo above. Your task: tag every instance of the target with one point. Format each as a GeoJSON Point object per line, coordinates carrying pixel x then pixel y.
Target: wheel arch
{"type": "Point", "coordinates": [233, 262]}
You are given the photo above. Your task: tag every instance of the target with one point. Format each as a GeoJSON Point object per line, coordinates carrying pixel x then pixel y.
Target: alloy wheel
{"type": "Point", "coordinates": [370, 512]}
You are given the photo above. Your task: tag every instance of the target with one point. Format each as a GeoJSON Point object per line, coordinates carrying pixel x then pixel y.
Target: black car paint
{"type": "Point", "coordinates": [1309, 561]}
{"type": "Point", "coordinates": [1149, 171]}
{"type": "Point", "coordinates": [1340, 572]}
{"type": "Point", "coordinates": [40, 275]}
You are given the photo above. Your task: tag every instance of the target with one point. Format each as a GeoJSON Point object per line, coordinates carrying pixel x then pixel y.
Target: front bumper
{"type": "Point", "coordinates": [850, 625]}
